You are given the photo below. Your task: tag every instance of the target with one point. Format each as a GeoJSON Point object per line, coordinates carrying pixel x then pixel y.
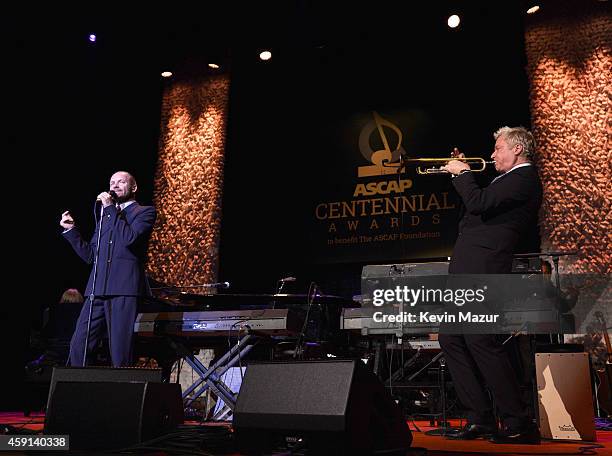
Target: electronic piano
{"type": "Point", "coordinates": [271, 322]}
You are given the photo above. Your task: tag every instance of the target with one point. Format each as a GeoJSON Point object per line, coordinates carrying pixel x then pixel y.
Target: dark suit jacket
{"type": "Point", "coordinates": [123, 246]}
{"type": "Point", "coordinates": [497, 219]}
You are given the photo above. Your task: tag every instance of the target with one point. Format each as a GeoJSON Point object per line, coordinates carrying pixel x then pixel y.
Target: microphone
{"type": "Point", "coordinates": [288, 279]}
{"type": "Point", "coordinates": [112, 194]}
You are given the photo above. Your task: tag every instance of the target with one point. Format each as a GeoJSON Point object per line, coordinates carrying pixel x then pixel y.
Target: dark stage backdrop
{"type": "Point", "coordinates": [305, 128]}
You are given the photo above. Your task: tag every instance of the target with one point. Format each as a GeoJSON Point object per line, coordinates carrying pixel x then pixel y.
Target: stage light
{"type": "Point", "coordinates": [92, 38]}
{"type": "Point", "coordinates": [166, 74]}
{"type": "Point", "coordinates": [453, 21]}
{"type": "Point", "coordinates": [533, 9]}
{"type": "Point", "coordinates": [265, 55]}
{"type": "Point", "coordinates": [214, 66]}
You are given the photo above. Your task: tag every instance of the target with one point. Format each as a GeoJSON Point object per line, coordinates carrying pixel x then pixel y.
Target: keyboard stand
{"type": "Point", "coordinates": [211, 377]}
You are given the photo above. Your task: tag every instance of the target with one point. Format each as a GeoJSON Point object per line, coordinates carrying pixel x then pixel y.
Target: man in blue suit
{"type": "Point", "coordinates": [118, 275]}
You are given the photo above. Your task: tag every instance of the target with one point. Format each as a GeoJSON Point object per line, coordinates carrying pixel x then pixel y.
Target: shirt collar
{"type": "Point", "coordinates": [517, 166]}
{"type": "Point", "coordinates": [122, 206]}
{"type": "Point", "coordinates": [511, 169]}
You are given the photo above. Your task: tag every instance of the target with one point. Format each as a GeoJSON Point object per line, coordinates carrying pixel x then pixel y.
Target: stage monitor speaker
{"type": "Point", "coordinates": [565, 400]}
{"type": "Point", "coordinates": [330, 407]}
{"type": "Point", "coordinates": [111, 414]}
{"type": "Point", "coordinates": [102, 374]}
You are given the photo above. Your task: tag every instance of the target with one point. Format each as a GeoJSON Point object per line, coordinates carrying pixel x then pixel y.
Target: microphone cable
{"type": "Point", "coordinates": [312, 293]}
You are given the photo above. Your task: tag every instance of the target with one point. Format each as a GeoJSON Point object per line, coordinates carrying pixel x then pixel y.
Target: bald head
{"type": "Point", "coordinates": [124, 185]}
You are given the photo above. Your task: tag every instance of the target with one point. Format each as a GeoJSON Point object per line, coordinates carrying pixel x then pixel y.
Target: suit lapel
{"type": "Point", "coordinates": [126, 214]}
{"type": "Point", "coordinates": [129, 212]}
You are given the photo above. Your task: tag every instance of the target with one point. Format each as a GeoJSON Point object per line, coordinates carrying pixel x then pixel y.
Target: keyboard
{"type": "Point", "coordinates": [271, 322]}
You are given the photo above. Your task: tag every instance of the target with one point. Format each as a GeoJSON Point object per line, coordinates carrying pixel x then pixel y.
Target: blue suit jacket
{"type": "Point", "coordinates": [123, 246]}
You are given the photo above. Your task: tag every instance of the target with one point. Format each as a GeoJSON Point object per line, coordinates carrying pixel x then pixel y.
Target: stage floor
{"type": "Point", "coordinates": [422, 444]}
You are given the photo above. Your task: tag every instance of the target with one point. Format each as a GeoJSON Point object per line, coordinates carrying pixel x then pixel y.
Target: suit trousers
{"type": "Point", "coordinates": [116, 314]}
{"type": "Point", "coordinates": [476, 360]}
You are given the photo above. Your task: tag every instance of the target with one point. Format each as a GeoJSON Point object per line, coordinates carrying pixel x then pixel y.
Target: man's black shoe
{"type": "Point", "coordinates": [527, 436]}
{"type": "Point", "coordinates": [473, 431]}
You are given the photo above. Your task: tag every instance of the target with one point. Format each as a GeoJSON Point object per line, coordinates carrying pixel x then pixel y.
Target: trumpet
{"type": "Point", "coordinates": [481, 164]}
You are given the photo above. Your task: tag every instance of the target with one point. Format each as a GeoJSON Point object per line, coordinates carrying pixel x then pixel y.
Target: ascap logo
{"type": "Point", "coordinates": [382, 188]}
{"type": "Point", "coordinates": [383, 208]}
{"type": "Point", "coordinates": [383, 160]}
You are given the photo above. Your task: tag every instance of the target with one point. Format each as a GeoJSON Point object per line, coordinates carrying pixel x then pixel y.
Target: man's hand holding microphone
{"type": "Point", "coordinates": [107, 198]}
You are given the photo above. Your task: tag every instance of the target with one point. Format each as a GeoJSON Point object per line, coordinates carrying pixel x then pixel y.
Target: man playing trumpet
{"type": "Point", "coordinates": [498, 219]}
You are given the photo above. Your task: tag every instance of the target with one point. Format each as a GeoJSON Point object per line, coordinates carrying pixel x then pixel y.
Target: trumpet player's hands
{"type": "Point", "coordinates": [457, 154]}
{"type": "Point", "coordinates": [67, 221]}
{"type": "Point", "coordinates": [455, 166]}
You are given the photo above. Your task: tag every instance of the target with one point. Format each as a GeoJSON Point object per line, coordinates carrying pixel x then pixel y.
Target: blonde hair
{"type": "Point", "coordinates": [518, 135]}
{"type": "Point", "coordinates": [72, 296]}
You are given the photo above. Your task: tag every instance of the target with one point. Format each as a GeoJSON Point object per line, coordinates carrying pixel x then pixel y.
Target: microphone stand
{"type": "Point", "coordinates": [93, 286]}
{"type": "Point", "coordinates": [280, 283]}
{"type": "Point", "coordinates": [279, 287]}
{"type": "Point", "coordinates": [555, 260]}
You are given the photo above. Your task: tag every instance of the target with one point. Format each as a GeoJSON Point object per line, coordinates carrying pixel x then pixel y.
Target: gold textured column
{"type": "Point", "coordinates": [570, 69]}
{"type": "Point", "coordinates": [188, 182]}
